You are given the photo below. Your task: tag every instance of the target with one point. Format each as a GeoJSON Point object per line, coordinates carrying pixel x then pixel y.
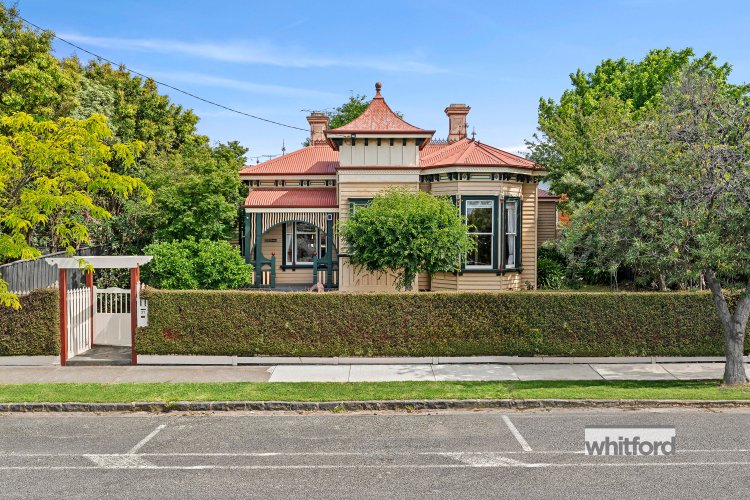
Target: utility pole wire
{"type": "Point", "coordinates": [213, 103]}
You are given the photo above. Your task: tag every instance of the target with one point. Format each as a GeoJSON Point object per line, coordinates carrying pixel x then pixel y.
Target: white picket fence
{"type": "Point", "coordinates": [79, 314]}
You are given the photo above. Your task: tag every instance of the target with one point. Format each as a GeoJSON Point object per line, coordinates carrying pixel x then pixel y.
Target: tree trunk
{"type": "Point", "coordinates": [662, 283]}
{"type": "Point", "coordinates": [735, 326]}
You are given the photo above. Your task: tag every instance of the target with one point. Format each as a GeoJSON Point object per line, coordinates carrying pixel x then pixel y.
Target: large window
{"type": "Point", "coordinates": [303, 242]}
{"type": "Point", "coordinates": [480, 216]}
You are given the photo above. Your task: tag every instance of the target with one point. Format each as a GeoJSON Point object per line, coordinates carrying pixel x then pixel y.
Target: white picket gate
{"type": "Point", "coordinates": [79, 314]}
{"type": "Point", "coordinates": [112, 320]}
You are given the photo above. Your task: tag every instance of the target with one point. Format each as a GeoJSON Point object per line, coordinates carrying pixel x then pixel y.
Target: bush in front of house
{"type": "Point", "coordinates": [34, 329]}
{"type": "Point", "coordinates": [430, 324]}
{"type": "Point", "coordinates": [193, 265]}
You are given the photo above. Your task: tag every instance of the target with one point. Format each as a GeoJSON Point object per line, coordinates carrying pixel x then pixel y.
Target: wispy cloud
{"type": "Point", "coordinates": [516, 149]}
{"type": "Point", "coordinates": [255, 52]}
{"type": "Point", "coordinates": [203, 79]}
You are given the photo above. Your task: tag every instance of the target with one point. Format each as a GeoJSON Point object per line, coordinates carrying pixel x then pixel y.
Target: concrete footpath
{"type": "Point", "coordinates": [364, 373]}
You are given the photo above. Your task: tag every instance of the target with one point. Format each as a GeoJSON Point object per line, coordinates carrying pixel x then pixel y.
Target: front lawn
{"type": "Point", "coordinates": [361, 391]}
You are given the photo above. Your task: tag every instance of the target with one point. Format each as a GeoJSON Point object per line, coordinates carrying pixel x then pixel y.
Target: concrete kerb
{"type": "Point", "coordinates": [176, 359]}
{"type": "Point", "coordinates": [395, 405]}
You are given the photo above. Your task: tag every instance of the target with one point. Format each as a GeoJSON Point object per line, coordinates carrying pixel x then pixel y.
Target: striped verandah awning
{"type": "Point", "coordinates": [273, 218]}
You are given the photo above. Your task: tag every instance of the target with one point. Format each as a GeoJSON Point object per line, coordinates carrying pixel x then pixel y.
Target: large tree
{"type": "Point", "coordinates": [572, 133]}
{"type": "Point", "coordinates": [32, 80]}
{"type": "Point", "coordinates": [51, 176]}
{"type": "Point", "coordinates": [407, 233]}
{"type": "Point", "coordinates": [676, 196]}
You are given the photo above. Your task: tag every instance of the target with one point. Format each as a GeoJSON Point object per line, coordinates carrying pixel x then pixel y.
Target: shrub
{"type": "Point", "coordinates": [550, 274]}
{"type": "Point", "coordinates": [430, 324]}
{"type": "Point", "coordinates": [33, 330]}
{"type": "Point", "coordinates": [189, 264]}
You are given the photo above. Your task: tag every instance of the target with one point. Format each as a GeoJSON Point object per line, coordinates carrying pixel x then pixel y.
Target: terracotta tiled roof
{"type": "Point", "coordinates": [312, 160]}
{"type": "Point", "coordinates": [544, 194]}
{"type": "Point", "coordinates": [379, 117]}
{"type": "Point", "coordinates": [468, 152]}
{"type": "Point", "coordinates": [291, 198]}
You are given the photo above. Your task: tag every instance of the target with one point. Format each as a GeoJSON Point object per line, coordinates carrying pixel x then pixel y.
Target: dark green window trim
{"type": "Point", "coordinates": [357, 202]}
{"type": "Point", "coordinates": [495, 229]}
{"type": "Point", "coordinates": [303, 265]}
{"type": "Point", "coordinates": [519, 229]}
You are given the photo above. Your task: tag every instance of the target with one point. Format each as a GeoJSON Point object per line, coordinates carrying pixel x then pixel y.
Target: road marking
{"type": "Point", "coordinates": [146, 439]}
{"type": "Point", "coordinates": [524, 445]}
{"type": "Point", "coordinates": [120, 461]}
{"type": "Point", "coordinates": [488, 460]}
{"type": "Point", "coordinates": [377, 466]}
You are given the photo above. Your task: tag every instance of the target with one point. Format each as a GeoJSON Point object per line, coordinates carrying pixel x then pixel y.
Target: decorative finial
{"type": "Point", "coordinates": [378, 86]}
{"type": "Point", "coordinates": [473, 133]}
{"type": "Point", "coordinates": [283, 147]}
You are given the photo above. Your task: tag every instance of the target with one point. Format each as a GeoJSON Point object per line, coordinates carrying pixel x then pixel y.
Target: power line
{"type": "Point", "coordinates": [213, 103]}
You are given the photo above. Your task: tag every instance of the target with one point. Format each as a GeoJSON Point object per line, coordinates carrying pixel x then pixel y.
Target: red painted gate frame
{"type": "Point", "coordinates": [134, 278]}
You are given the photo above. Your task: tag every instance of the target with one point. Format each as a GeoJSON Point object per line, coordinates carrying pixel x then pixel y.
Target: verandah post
{"type": "Point", "coordinates": [248, 247]}
{"type": "Point", "coordinates": [258, 248]}
{"type": "Point", "coordinates": [329, 250]}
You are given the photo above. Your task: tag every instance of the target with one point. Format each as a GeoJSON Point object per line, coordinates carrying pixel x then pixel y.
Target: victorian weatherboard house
{"type": "Point", "coordinates": [296, 200]}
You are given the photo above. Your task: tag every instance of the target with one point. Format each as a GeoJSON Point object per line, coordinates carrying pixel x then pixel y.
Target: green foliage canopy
{"type": "Point", "coordinates": [190, 264]}
{"type": "Point", "coordinates": [407, 233]}
{"type": "Point", "coordinates": [675, 198]}
{"type": "Point", "coordinates": [50, 175]}
{"type": "Point", "coordinates": [573, 134]}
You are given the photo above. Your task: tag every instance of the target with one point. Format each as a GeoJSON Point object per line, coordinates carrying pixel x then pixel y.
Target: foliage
{"type": "Point", "coordinates": [32, 80]}
{"type": "Point", "coordinates": [190, 264]}
{"type": "Point", "coordinates": [50, 173]}
{"type": "Point", "coordinates": [407, 233]}
{"type": "Point", "coordinates": [140, 113]}
{"type": "Point", "coordinates": [34, 329]}
{"type": "Point", "coordinates": [347, 112]}
{"type": "Point", "coordinates": [675, 200]}
{"type": "Point", "coordinates": [573, 133]}
{"type": "Point", "coordinates": [430, 324]}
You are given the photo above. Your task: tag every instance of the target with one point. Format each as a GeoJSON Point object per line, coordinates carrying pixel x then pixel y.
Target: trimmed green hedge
{"type": "Point", "coordinates": [34, 329]}
{"type": "Point", "coordinates": [430, 324]}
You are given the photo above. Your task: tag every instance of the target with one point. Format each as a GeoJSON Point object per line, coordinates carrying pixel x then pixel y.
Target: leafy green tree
{"type": "Point", "coordinates": [32, 80]}
{"type": "Point", "coordinates": [572, 138]}
{"type": "Point", "coordinates": [50, 175]}
{"type": "Point", "coordinates": [190, 265]}
{"type": "Point", "coordinates": [141, 113]}
{"type": "Point", "coordinates": [197, 193]}
{"type": "Point", "coordinates": [407, 233]}
{"type": "Point", "coordinates": [351, 109]}
{"type": "Point", "coordinates": [676, 199]}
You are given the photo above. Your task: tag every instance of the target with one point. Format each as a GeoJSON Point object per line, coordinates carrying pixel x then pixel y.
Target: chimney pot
{"type": "Point", "coordinates": [457, 121]}
{"type": "Point", "coordinates": [318, 123]}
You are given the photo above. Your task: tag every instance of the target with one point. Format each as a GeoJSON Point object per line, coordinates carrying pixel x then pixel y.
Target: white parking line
{"type": "Point", "coordinates": [146, 439]}
{"type": "Point", "coordinates": [524, 445]}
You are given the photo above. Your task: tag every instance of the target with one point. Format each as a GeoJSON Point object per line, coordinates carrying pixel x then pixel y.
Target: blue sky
{"type": "Point", "coordinates": [275, 59]}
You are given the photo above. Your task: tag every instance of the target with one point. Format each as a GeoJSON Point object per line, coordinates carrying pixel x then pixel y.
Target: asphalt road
{"type": "Point", "coordinates": [395, 455]}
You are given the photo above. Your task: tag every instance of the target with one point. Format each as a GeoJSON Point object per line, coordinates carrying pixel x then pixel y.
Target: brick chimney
{"type": "Point", "coordinates": [318, 123]}
{"type": "Point", "coordinates": [457, 121]}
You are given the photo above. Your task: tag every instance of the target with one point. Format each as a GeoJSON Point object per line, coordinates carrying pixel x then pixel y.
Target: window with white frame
{"type": "Point", "coordinates": [302, 243]}
{"type": "Point", "coordinates": [511, 234]}
{"type": "Point", "coordinates": [480, 216]}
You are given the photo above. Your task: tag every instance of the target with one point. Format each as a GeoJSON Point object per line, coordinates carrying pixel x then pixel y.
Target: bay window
{"type": "Point", "coordinates": [480, 216]}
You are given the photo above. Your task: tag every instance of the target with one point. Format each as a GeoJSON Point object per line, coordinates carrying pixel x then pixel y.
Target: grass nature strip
{"type": "Point", "coordinates": [363, 391]}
